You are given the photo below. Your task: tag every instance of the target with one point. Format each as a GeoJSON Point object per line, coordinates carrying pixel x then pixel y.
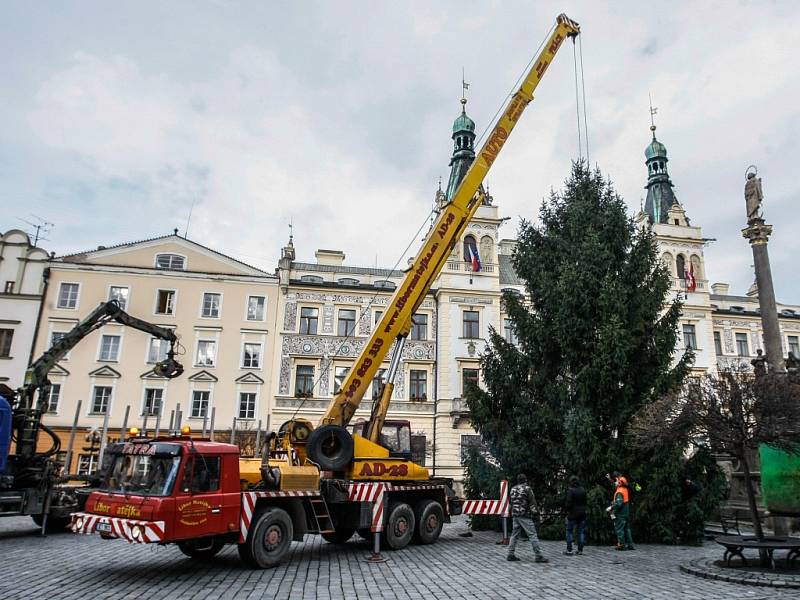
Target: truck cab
{"type": "Point", "coordinates": [188, 489]}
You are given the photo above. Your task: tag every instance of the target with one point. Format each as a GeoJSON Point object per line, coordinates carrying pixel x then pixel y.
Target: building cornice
{"type": "Point", "coordinates": [265, 279]}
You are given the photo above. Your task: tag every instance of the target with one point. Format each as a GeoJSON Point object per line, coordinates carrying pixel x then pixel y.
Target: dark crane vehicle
{"type": "Point", "coordinates": [31, 482]}
{"type": "Point", "coordinates": [337, 479]}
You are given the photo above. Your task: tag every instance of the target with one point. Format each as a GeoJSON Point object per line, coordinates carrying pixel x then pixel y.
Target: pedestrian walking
{"type": "Point", "coordinates": [522, 506]}
{"type": "Point", "coordinates": [620, 514]}
{"type": "Point", "coordinates": [575, 505]}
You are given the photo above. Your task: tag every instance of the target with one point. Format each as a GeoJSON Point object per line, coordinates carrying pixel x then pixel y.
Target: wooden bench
{"type": "Point", "coordinates": [736, 544]}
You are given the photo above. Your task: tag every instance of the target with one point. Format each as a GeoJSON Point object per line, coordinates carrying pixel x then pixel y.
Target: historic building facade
{"type": "Point", "coordinates": [722, 329]}
{"type": "Point", "coordinates": [222, 310]}
{"type": "Point", "coordinates": [328, 308]}
{"type": "Point", "coordinates": [22, 267]}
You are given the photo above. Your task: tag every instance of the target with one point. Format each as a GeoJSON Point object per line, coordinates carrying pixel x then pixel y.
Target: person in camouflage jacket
{"type": "Point", "coordinates": [523, 503]}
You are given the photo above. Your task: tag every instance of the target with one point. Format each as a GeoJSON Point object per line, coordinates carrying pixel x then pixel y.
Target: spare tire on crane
{"type": "Point", "coordinates": [331, 447]}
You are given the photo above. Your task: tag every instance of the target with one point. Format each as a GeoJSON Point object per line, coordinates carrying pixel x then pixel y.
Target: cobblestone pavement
{"type": "Point", "coordinates": [67, 566]}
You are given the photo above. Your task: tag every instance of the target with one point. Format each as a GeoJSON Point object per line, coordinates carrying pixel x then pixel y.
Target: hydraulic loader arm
{"type": "Point", "coordinates": [36, 375]}
{"type": "Point", "coordinates": [395, 323]}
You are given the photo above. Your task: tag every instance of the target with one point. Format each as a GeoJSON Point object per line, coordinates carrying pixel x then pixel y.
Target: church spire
{"type": "Point", "coordinates": [463, 145]}
{"type": "Point", "coordinates": [660, 196]}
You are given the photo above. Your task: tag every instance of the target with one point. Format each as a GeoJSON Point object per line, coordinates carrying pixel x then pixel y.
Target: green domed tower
{"type": "Point", "coordinates": [463, 149]}
{"type": "Point", "coordinates": [660, 196]}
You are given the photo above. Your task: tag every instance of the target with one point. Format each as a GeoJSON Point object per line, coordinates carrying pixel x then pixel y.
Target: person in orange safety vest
{"type": "Point", "coordinates": [620, 514]}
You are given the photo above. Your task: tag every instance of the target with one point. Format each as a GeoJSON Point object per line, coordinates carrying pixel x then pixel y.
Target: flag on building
{"type": "Point", "coordinates": [475, 258]}
{"type": "Point", "coordinates": [691, 281]}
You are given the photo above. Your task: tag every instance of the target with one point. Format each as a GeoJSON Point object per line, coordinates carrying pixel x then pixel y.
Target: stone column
{"type": "Point", "coordinates": [757, 233]}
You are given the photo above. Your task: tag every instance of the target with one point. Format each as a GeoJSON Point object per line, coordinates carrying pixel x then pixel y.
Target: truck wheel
{"type": "Point", "coordinates": [430, 520]}
{"type": "Point", "coordinates": [54, 524]}
{"type": "Point", "coordinates": [340, 536]}
{"type": "Point", "coordinates": [399, 526]}
{"type": "Point", "coordinates": [202, 548]}
{"type": "Point", "coordinates": [269, 538]}
{"type": "Point", "coordinates": [331, 447]}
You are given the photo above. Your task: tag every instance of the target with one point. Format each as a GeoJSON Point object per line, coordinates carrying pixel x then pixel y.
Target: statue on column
{"type": "Point", "coordinates": [753, 195]}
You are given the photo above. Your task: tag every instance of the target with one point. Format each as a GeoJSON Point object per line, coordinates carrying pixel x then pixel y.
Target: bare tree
{"type": "Point", "coordinates": [734, 412]}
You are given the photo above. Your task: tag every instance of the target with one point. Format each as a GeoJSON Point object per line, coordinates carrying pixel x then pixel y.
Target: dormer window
{"type": "Point", "coordinates": [311, 279]}
{"type": "Point", "coordinates": [348, 281]}
{"type": "Point", "coordinates": [385, 284]}
{"type": "Point", "coordinates": [170, 262]}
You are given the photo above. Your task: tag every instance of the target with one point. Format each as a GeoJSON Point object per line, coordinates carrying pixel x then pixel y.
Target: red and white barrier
{"type": "Point", "coordinates": [489, 507]}
{"type": "Point", "coordinates": [132, 530]}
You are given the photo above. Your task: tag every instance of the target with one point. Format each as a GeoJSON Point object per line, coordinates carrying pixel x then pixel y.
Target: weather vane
{"type": "Point", "coordinates": [464, 87]}
{"type": "Point", "coordinates": [653, 111]}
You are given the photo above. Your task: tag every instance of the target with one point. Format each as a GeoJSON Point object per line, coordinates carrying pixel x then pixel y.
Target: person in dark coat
{"type": "Point", "coordinates": [575, 505]}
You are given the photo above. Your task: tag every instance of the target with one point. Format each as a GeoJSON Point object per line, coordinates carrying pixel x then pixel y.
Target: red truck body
{"type": "Point", "coordinates": [189, 492]}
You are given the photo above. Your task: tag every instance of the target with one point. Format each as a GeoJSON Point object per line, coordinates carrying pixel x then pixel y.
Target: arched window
{"type": "Point", "coordinates": [486, 249]}
{"type": "Point", "coordinates": [695, 262]}
{"type": "Point", "coordinates": [469, 243]}
{"type": "Point", "coordinates": [666, 260]}
{"type": "Point", "coordinates": [680, 264]}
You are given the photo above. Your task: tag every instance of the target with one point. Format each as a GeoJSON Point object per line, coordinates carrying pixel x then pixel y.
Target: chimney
{"type": "Point", "coordinates": [721, 289]}
{"type": "Point", "coordinates": [329, 257]}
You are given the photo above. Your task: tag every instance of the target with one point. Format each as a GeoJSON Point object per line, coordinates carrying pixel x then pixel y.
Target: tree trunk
{"type": "Point", "coordinates": [751, 500]}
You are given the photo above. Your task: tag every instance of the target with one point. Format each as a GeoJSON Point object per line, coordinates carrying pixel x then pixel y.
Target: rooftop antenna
{"type": "Point", "coordinates": [42, 228]}
{"type": "Point", "coordinates": [188, 219]}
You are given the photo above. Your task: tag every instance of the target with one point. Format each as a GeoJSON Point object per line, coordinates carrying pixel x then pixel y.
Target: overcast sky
{"type": "Point", "coordinates": [116, 116]}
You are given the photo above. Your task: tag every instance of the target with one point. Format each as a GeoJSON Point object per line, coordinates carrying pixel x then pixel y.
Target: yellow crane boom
{"type": "Point", "coordinates": [395, 323]}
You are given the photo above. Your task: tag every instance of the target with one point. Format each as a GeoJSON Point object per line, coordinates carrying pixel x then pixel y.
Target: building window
{"type": "Point", "coordinates": [87, 464]}
{"type": "Point", "coordinates": [68, 295]}
{"type": "Point", "coordinates": [109, 348]}
{"type": "Point", "coordinates": [377, 316]}
{"type": "Point", "coordinates": [717, 343]}
{"type": "Point", "coordinates": [339, 375]}
{"type": "Point", "coordinates": [742, 347]}
{"type": "Point", "coordinates": [200, 403]}
{"type": "Point", "coordinates": [158, 350]}
{"type": "Point", "coordinates": [101, 398]}
{"type": "Point", "coordinates": [304, 381]}
{"type": "Point", "coordinates": [508, 332]}
{"type": "Point", "coordinates": [53, 397]}
{"type": "Point", "coordinates": [377, 384]}
{"type": "Point", "coordinates": [680, 266]}
{"type": "Point", "coordinates": [165, 302]}
{"type": "Point", "coordinates": [468, 442]}
{"type": "Point", "coordinates": [794, 346]}
{"type": "Point", "coordinates": [206, 353]}
{"type": "Point", "coordinates": [419, 329]}
{"type": "Point", "coordinates": [347, 322]}
{"type": "Point", "coordinates": [470, 248]}
{"type": "Point", "coordinates": [255, 308]}
{"type": "Point", "coordinates": [9, 289]}
{"type": "Point", "coordinates": [468, 376]}
{"type": "Point", "coordinates": [308, 320]}
{"type": "Point", "coordinates": [689, 337]}
{"type": "Point", "coordinates": [171, 262]}
{"type": "Point", "coordinates": [251, 357]}
{"type": "Point", "coordinates": [211, 304]}
{"type": "Point", "coordinates": [120, 294]}
{"type": "Point", "coordinates": [247, 405]}
{"type": "Point", "coordinates": [418, 385]}
{"type": "Point", "coordinates": [471, 324]}
{"type": "Point", "coordinates": [153, 400]}
{"type": "Point", "coordinates": [6, 335]}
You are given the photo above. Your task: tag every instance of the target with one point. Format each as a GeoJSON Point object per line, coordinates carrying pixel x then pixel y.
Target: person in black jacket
{"type": "Point", "coordinates": [575, 505]}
